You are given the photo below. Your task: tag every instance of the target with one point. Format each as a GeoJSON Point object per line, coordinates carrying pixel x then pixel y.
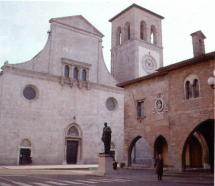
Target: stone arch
{"type": "Point", "coordinates": [130, 149]}
{"type": "Point", "coordinates": [203, 134]}
{"type": "Point", "coordinates": [73, 144]}
{"type": "Point", "coordinates": [139, 152]}
{"type": "Point", "coordinates": [76, 126]}
{"type": "Point", "coordinates": [161, 147]}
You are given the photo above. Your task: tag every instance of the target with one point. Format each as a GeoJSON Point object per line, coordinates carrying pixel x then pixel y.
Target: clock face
{"type": "Point", "coordinates": [149, 63]}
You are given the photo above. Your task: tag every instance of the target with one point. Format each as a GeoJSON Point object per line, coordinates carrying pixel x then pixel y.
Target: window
{"type": "Point", "coordinates": [188, 90]}
{"type": "Point", "coordinates": [111, 103]}
{"type": "Point", "coordinates": [195, 88]}
{"type": "Point", "coordinates": [140, 109]}
{"type": "Point", "coordinates": [191, 86]}
{"type": "Point", "coordinates": [75, 73]}
{"type": "Point", "coordinates": [119, 36]}
{"type": "Point", "coordinates": [143, 30]}
{"type": "Point", "coordinates": [66, 71]}
{"type": "Point", "coordinates": [153, 39]}
{"type": "Point", "coordinates": [29, 92]}
{"type": "Point", "coordinates": [127, 31]}
{"type": "Point", "coordinates": [84, 75]}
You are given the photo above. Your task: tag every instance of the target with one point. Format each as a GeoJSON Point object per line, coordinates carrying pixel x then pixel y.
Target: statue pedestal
{"type": "Point", "coordinates": [105, 164]}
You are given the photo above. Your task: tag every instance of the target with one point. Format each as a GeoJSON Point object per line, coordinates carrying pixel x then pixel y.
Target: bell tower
{"type": "Point", "coordinates": [136, 44]}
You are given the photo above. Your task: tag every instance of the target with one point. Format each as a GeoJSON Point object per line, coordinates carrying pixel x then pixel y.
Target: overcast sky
{"type": "Point", "coordinates": [24, 24]}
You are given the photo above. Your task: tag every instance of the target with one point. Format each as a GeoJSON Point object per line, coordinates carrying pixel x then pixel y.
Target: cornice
{"type": "Point", "coordinates": [75, 63]}
{"type": "Point", "coordinates": [48, 77]}
{"type": "Point", "coordinates": [30, 73]}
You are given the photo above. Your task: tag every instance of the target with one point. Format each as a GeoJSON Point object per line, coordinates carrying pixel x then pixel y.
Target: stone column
{"type": "Point", "coordinates": [79, 73]}
{"type": "Point", "coordinates": [87, 75]}
{"type": "Point", "coordinates": [71, 71]}
{"type": "Point", "coordinates": [80, 77]}
{"type": "Point", "coordinates": [71, 75]}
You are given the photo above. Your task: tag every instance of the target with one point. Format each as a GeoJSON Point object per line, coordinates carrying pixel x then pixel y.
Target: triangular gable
{"type": "Point", "coordinates": [78, 22]}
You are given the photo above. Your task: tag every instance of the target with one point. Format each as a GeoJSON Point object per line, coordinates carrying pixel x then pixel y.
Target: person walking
{"type": "Point", "coordinates": [159, 166]}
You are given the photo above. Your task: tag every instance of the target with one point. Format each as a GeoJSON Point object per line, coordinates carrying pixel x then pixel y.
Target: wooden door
{"type": "Point", "coordinates": [72, 152]}
{"type": "Point", "coordinates": [25, 156]}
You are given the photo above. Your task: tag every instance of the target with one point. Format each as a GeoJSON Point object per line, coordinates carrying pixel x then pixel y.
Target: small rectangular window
{"type": "Point", "coordinates": [140, 109]}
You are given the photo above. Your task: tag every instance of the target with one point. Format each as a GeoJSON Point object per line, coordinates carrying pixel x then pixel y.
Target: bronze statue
{"type": "Point", "coordinates": [106, 138]}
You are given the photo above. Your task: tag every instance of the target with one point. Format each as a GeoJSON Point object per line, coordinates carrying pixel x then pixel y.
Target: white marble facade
{"type": "Point", "coordinates": [60, 99]}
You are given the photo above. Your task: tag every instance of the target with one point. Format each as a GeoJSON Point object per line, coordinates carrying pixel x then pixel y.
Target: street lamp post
{"type": "Point", "coordinates": [211, 81]}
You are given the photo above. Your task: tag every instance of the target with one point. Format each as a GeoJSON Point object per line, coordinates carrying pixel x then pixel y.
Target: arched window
{"type": "Point", "coordinates": [143, 30]}
{"type": "Point", "coordinates": [127, 31]}
{"type": "Point", "coordinates": [66, 71]}
{"type": "Point", "coordinates": [191, 86]}
{"type": "Point", "coordinates": [188, 89]}
{"type": "Point", "coordinates": [119, 36]}
{"type": "Point", "coordinates": [153, 39]}
{"type": "Point", "coordinates": [75, 73]}
{"type": "Point", "coordinates": [84, 75]}
{"type": "Point", "coordinates": [195, 88]}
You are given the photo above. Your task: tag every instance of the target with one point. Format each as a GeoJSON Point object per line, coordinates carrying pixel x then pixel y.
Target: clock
{"type": "Point", "coordinates": [149, 63]}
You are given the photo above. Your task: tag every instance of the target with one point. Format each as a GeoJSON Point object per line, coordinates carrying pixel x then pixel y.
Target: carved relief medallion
{"type": "Point", "coordinates": [159, 104]}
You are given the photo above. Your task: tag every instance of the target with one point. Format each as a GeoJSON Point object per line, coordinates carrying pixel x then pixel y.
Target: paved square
{"type": "Point", "coordinates": [121, 178]}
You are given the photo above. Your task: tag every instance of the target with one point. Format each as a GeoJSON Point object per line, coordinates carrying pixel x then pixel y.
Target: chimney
{"type": "Point", "coordinates": [198, 43]}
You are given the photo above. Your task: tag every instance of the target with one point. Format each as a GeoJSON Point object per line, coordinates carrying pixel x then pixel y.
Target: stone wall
{"type": "Point", "coordinates": [45, 120]}
{"type": "Point", "coordinates": [179, 116]}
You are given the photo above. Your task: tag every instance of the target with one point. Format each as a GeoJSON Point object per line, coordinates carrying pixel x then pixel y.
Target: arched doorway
{"type": "Point", "coordinates": [161, 147]}
{"type": "Point", "coordinates": [198, 150]}
{"type": "Point", "coordinates": [130, 149]}
{"type": "Point", "coordinates": [139, 153]}
{"type": "Point", "coordinates": [73, 144]}
{"type": "Point", "coordinates": [25, 152]}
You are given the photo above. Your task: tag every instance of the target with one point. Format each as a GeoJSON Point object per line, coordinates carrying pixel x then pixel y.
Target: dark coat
{"type": "Point", "coordinates": [159, 166]}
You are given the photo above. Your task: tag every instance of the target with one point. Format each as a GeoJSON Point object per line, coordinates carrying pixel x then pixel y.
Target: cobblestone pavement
{"type": "Point", "coordinates": [119, 178]}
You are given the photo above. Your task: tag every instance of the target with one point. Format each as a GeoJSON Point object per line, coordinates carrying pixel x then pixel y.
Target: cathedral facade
{"type": "Point", "coordinates": [53, 107]}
